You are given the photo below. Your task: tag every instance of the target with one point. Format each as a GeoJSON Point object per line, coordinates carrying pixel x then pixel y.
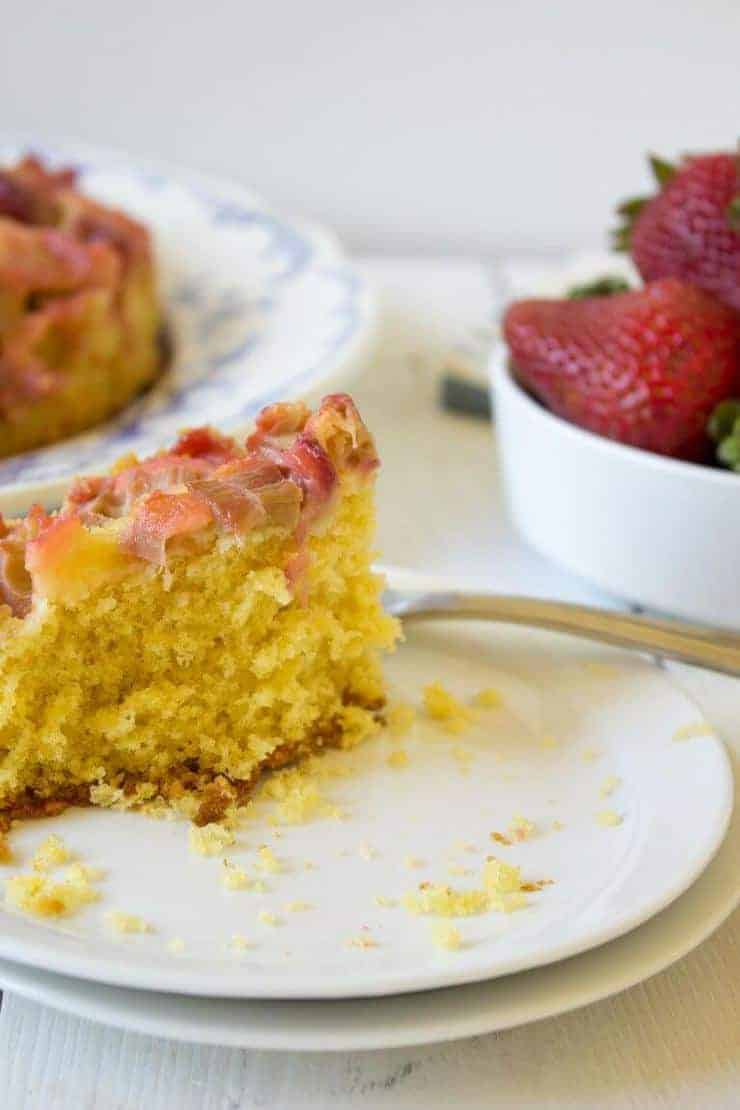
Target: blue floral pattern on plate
{"type": "Point", "coordinates": [258, 309]}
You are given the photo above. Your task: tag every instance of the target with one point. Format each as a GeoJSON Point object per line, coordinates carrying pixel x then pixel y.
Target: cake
{"type": "Point", "coordinates": [184, 623]}
{"type": "Point", "coordinates": [79, 314]}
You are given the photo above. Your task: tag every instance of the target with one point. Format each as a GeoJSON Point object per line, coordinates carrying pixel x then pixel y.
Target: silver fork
{"type": "Point", "coordinates": [714, 648]}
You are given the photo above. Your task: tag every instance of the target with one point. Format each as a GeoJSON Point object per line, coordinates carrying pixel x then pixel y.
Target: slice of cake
{"type": "Point", "coordinates": [191, 620]}
{"type": "Point", "coordinates": [79, 312]}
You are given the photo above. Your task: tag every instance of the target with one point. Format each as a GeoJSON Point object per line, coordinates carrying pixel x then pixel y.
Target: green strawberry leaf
{"type": "Point", "coordinates": [733, 213]}
{"type": "Point", "coordinates": [632, 206]}
{"type": "Point", "coordinates": [662, 171]}
{"type": "Point", "coordinates": [600, 287]}
{"type": "Point", "coordinates": [724, 429]}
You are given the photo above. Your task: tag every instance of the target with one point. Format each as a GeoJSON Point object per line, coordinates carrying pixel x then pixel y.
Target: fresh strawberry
{"type": "Point", "coordinates": [645, 367]}
{"type": "Point", "coordinates": [691, 228]}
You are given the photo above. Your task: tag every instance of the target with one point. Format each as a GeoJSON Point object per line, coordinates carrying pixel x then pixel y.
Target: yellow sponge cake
{"type": "Point", "coordinates": [188, 621]}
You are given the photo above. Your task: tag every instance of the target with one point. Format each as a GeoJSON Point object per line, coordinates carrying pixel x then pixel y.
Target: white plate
{"type": "Point", "coordinates": [410, 1019]}
{"type": "Point", "coordinates": [259, 308]}
{"type": "Point", "coordinates": [619, 721]}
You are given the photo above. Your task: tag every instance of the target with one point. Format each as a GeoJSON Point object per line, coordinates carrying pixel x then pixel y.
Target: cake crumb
{"type": "Point", "coordinates": [240, 943]}
{"type": "Point", "coordinates": [39, 895]}
{"type": "Point", "coordinates": [309, 865]}
{"type": "Point", "coordinates": [83, 873]}
{"type": "Point", "coordinates": [488, 698]}
{"type": "Point", "coordinates": [6, 852]}
{"type": "Point", "coordinates": [268, 861]}
{"type": "Point", "coordinates": [210, 840]}
{"type": "Point", "coordinates": [52, 853]}
{"type": "Point", "coordinates": [366, 851]}
{"type": "Point", "coordinates": [446, 936]}
{"type": "Point", "coordinates": [298, 795]}
{"type": "Point", "coordinates": [176, 946]}
{"type": "Point", "coordinates": [558, 826]}
{"type": "Point", "coordinates": [298, 906]}
{"type": "Point", "coordinates": [609, 785]}
{"type": "Point", "coordinates": [501, 838]}
{"type": "Point", "coordinates": [521, 828]}
{"type": "Point", "coordinates": [693, 731]}
{"type": "Point", "coordinates": [397, 759]}
{"type": "Point", "coordinates": [400, 719]}
{"type": "Point", "coordinates": [384, 901]}
{"type": "Point", "coordinates": [444, 708]}
{"type": "Point", "coordinates": [608, 818]}
{"type": "Point", "coordinates": [444, 901]}
{"type": "Point", "coordinates": [267, 917]}
{"type": "Point", "coordinates": [361, 941]}
{"type": "Point", "coordinates": [233, 877]}
{"type": "Point", "coordinates": [127, 922]}
{"type": "Point", "coordinates": [500, 877]}
{"type": "Point", "coordinates": [412, 861]}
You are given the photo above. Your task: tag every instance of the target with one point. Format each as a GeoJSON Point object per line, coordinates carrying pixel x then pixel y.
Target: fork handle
{"type": "Point", "coordinates": [714, 648]}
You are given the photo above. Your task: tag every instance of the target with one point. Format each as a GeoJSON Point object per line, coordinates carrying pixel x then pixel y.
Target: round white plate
{"type": "Point", "coordinates": [410, 1019]}
{"type": "Point", "coordinates": [571, 723]}
{"type": "Point", "coordinates": [259, 308]}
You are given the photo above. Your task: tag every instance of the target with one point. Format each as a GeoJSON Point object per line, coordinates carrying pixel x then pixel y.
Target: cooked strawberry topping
{"type": "Point", "coordinates": [160, 517]}
{"type": "Point", "coordinates": [285, 477]}
{"type": "Point", "coordinates": [275, 421]}
{"type": "Point", "coordinates": [205, 443]}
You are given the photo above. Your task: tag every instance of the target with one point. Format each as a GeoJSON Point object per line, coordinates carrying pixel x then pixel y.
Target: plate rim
{"type": "Point", "coordinates": [454, 1013]}
{"type": "Point", "coordinates": [37, 953]}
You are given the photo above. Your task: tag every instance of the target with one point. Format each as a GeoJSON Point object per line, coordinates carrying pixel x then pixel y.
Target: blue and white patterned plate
{"type": "Point", "coordinates": [259, 309]}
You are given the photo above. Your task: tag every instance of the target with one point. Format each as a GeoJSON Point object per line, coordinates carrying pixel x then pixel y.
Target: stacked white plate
{"type": "Point", "coordinates": [621, 795]}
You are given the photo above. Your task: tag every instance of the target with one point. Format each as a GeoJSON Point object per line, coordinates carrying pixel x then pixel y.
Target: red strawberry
{"type": "Point", "coordinates": [645, 367]}
{"type": "Point", "coordinates": [691, 228]}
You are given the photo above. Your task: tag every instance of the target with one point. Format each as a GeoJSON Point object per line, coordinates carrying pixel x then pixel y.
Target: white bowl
{"type": "Point", "coordinates": [654, 531]}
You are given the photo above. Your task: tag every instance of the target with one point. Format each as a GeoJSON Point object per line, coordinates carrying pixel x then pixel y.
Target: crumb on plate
{"type": "Point", "coordinates": [51, 853]}
{"type": "Point", "coordinates": [267, 860]}
{"type": "Point", "coordinates": [39, 895]}
{"type": "Point", "coordinates": [397, 759]}
{"type": "Point", "coordinates": [400, 719]}
{"type": "Point", "coordinates": [298, 906]}
{"type": "Point", "coordinates": [521, 828]}
{"type": "Point", "coordinates": [444, 901]}
{"type": "Point", "coordinates": [127, 922]}
{"type": "Point", "coordinates": [444, 708]}
{"type": "Point", "coordinates": [446, 936]}
{"type": "Point", "coordinates": [609, 785]}
{"type": "Point", "coordinates": [210, 840]}
{"type": "Point", "coordinates": [233, 877]}
{"type": "Point", "coordinates": [361, 941]}
{"type": "Point", "coordinates": [488, 698]}
{"type": "Point", "coordinates": [500, 877]}
{"type": "Point", "coordinates": [608, 818]}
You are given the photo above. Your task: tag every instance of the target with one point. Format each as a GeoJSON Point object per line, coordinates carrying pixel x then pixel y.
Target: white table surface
{"type": "Point", "coordinates": [673, 1041]}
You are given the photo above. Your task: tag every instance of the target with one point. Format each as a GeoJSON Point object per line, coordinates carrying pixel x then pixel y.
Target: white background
{"type": "Point", "coordinates": [459, 125]}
